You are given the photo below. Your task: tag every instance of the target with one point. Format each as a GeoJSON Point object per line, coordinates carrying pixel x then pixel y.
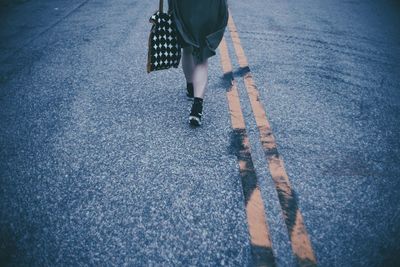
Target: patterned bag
{"type": "Point", "coordinates": [164, 49]}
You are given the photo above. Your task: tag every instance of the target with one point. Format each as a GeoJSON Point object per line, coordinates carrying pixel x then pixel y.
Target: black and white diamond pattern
{"type": "Point", "coordinates": [164, 48]}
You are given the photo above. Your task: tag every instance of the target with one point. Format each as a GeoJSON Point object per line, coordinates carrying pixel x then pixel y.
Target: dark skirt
{"type": "Point", "coordinates": [201, 24]}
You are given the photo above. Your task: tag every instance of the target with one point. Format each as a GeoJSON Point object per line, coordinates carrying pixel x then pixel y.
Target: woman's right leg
{"type": "Point", "coordinates": [200, 78]}
{"type": "Point", "coordinates": [196, 75]}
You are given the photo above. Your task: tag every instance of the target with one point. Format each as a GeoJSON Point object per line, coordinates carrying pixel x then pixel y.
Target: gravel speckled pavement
{"type": "Point", "coordinates": [99, 167]}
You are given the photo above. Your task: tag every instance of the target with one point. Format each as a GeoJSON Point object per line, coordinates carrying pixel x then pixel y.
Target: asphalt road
{"type": "Point", "coordinates": [98, 166]}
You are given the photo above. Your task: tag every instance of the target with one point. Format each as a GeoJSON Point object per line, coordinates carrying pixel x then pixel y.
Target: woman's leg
{"type": "Point", "coordinates": [200, 78]}
{"type": "Point", "coordinates": [188, 64]}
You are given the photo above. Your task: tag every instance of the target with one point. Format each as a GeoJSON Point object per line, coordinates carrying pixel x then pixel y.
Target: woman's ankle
{"type": "Point", "coordinates": [198, 100]}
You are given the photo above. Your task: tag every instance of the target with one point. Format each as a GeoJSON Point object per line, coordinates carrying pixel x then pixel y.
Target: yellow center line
{"type": "Point", "coordinates": [301, 244]}
{"type": "Point", "coordinates": [261, 246]}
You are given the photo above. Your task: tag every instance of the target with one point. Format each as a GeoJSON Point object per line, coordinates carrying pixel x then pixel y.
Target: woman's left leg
{"type": "Point", "coordinates": [188, 63]}
{"type": "Point", "coordinates": [188, 69]}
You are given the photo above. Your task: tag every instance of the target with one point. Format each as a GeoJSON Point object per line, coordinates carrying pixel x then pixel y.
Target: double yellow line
{"type": "Point", "coordinates": [260, 240]}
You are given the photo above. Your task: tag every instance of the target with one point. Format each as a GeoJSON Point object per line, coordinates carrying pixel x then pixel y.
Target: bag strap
{"type": "Point", "coordinates": [161, 6]}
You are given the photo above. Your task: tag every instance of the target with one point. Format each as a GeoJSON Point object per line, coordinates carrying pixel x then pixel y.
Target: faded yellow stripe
{"type": "Point", "coordinates": [237, 119]}
{"type": "Point", "coordinates": [255, 211]}
{"type": "Point", "coordinates": [301, 244]}
{"type": "Point", "coordinates": [236, 43]}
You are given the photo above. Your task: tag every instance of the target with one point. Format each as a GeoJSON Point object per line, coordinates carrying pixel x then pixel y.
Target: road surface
{"type": "Point", "coordinates": [296, 164]}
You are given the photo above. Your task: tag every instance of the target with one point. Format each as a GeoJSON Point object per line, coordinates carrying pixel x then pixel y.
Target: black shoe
{"type": "Point", "coordinates": [196, 112]}
{"type": "Point", "coordinates": [189, 91]}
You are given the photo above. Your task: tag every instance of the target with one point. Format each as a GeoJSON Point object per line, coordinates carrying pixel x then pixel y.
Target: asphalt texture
{"type": "Point", "coordinates": [99, 166]}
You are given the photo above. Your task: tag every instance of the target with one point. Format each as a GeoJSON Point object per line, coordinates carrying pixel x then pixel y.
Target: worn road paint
{"type": "Point", "coordinates": [261, 246]}
{"type": "Point", "coordinates": [301, 244]}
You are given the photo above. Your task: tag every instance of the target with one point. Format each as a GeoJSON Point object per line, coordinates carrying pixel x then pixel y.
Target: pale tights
{"type": "Point", "coordinates": [195, 72]}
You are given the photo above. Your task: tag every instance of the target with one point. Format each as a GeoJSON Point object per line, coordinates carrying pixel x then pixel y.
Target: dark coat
{"type": "Point", "coordinates": [200, 23]}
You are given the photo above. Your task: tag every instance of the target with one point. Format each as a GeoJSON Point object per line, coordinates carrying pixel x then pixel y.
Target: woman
{"type": "Point", "coordinates": [201, 25]}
